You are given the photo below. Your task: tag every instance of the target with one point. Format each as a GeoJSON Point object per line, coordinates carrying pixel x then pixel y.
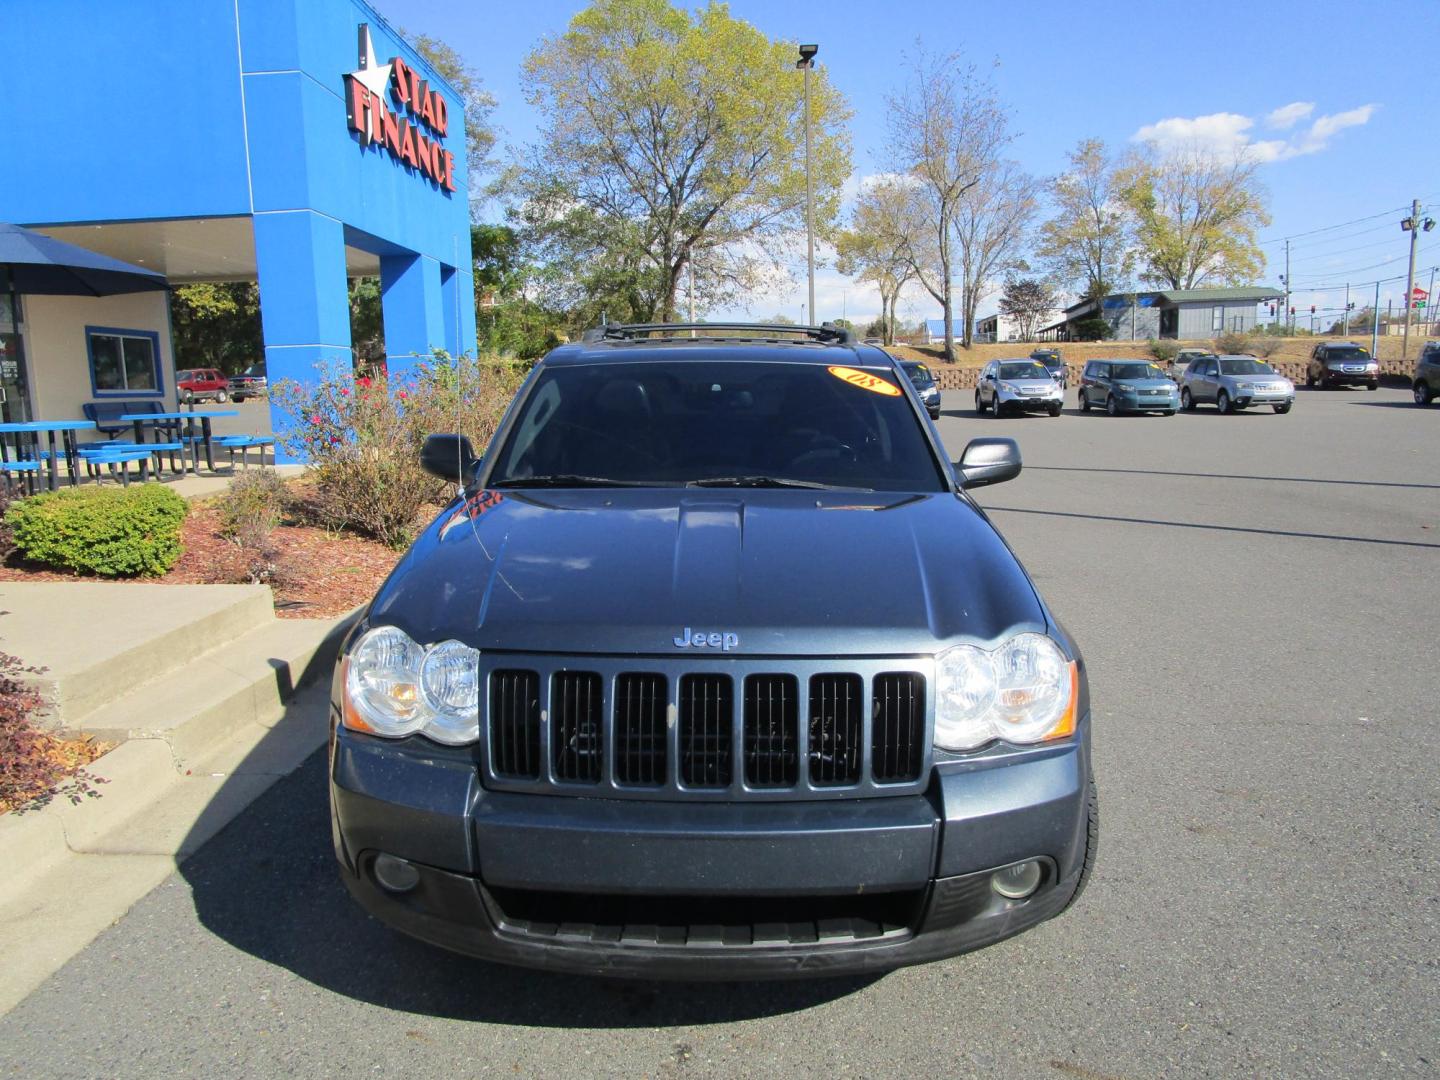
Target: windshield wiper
{"type": "Point", "coordinates": [768, 481]}
{"type": "Point", "coordinates": [565, 480]}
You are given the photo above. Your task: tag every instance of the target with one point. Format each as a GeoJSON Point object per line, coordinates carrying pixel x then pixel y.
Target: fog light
{"type": "Point", "coordinates": [1018, 881]}
{"type": "Point", "coordinates": [395, 875]}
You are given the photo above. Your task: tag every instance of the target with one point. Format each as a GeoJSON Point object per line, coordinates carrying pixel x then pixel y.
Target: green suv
{"type": "Point", "coordinates": [1427, 374]}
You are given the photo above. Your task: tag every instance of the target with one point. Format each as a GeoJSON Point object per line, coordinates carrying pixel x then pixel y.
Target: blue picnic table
{"type": "Point", "coordinates": [50, 428]}
{"type": "Point", "coordinates": [174, 422]}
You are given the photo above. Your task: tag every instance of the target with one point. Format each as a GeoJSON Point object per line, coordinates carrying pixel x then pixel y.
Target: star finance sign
{"type": "Point", "coordinates": [369, 115]}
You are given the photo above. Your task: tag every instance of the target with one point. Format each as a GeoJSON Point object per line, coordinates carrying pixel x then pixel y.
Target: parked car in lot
{"type": "Point", "coordinates": [1053, 364]}
{"type": "Point", "coordinates": [1126, 386]}
{"type": "Point", "coordinates": [633, 706]}
{"type": "Point", "coordinates": [249, 383]}
{"type": "Point", "coordinates": [1341, 363]}
{"type": "Point", "coordinates": [1235, 382]}
{"type": "Point", "coordinates": [202, 384]}
{"type": "Point", "coordinates": [1427, 374]}
{"type": "Point", "coordinates": [924, 383]}
{"type": "Point", "coordinates": [1018, 386]}
{"type": "Point", "coordinates": [1183, 359]}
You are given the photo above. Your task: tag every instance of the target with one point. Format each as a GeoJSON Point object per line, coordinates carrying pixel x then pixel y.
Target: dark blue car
{"type": "Point", "coordinates": [712, 669]}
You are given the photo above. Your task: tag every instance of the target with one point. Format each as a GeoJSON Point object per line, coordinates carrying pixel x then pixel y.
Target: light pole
{"type": "Point", "coordinates": [805, 63]}
{"type": "Point", "coordinates": [1413, 225]}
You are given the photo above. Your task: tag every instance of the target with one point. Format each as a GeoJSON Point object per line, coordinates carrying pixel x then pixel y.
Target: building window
{"type": "Point", "coordinates": [123, 361]}
{"type": "Point", "coordinates": [1217, 319]}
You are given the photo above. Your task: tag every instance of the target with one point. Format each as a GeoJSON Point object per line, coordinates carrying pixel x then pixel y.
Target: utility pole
{"type": "Point", "coordinates": [1430, 302]}
{"type": "Point", "coordinates": [1375, 324]}
{"type": "Point", "coordinates": [806, 62]}
{"type": "Point", "coordinates": [1285, 311]}
{"type": "Point", "coordinates": [1346, 332]}
{"type": "Point", "coordinates": [1414, 226]}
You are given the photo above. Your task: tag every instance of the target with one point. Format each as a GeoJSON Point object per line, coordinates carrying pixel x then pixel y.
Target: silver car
{"type": "Point", "coordinates": [1019, 386]}
{"type": "Point", "coordinates": [1235, 382]}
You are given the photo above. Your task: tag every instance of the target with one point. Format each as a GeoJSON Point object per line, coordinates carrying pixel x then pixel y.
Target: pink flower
{"type": "Point", "coordinates": [314, 419]}
{"type": "Point", "coordinates": [401, 395]}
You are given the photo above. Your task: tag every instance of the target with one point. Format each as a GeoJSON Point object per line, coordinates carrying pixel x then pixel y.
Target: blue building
{"type": "Point", "coordinates": [298, 143]}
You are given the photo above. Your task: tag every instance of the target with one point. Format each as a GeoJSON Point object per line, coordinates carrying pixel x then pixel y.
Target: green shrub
{"type": "Point", "coordinates": [113, 532]}
{"type": "Point", "coordinates": [1163, 351]}
{"type": "Point", "coordinates": [1095, 329]}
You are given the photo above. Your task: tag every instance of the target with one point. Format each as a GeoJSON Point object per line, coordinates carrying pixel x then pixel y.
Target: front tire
{"type": "Point", "coordinates": [1309, 381]}
{"type": "Point", "coordinates": [979, 405]}
{"type": "Point", "coordinates": [1222, 402]}
{"type": "Point", "coordinates": [1187, 401]}
{"type": "Point", "coordinates": [1423, 394]}
{"type": "Point", "coordinates": [1168, 412]}
{"type": "Point", "coordinates": [1092, 843]}
{"type": "Point", "coordinates": [1112, 407]}
{"type": "Point", "coordinates": [1374, 384]}
{"type": "Point", "coordinates": [1054, 410]}
{"type": "Point", "coordinates": [222, 396]}
{"type": "Point", "coordinates": [1084, 402]}
{"type": "Point", "coordinates": [1282, 409]}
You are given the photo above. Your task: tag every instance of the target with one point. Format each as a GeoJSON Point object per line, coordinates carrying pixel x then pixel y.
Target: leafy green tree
{"type": "Point", "coordinates": [478, 104]}
{"type": "Point", "coordinates": [1095, 329]}
{"type": "Point", "coordinates": [1090, 240]}
{"type": "Point", "coordinates": [1196, 215]}
{"type": "Point", "coordinates": [672, 139]}
{"type": "Point", "coordinates": [217, 325]}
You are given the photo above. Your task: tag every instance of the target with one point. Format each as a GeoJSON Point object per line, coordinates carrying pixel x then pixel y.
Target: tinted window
{"type": "Point", "coordinates": [919, 374]}
{"type": "Point", "coordinates": [1351, 353]}
{"type": "Point", "coordinates": [1135, 371]}
{"type": "Point", "coordinates": [1024, 369]}
{"type": "Point", "coordinates": [1244, 365]}
{"type": "Point", "coordinates": [644, 423]}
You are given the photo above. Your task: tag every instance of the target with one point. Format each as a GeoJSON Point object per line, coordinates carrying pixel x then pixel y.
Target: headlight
{"type": "Point", "coordinates": [1245, 386]}
{"type": "Point", "coordinates": [1023, 691]}
{"type": "Point", "coordinates": [394, 688]}
{"type": "Point", "coordinates": [1009, 388]}
{"type": "Point", "coordinates": [1125, 388]}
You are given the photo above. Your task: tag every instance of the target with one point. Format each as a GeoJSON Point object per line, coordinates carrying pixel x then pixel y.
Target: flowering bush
{"type": "Point", "coordinates": [33, 768]}
{"type": "Point", "coordinates": [362, 436]}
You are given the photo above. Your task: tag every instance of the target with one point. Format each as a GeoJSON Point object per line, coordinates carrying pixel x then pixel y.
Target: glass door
{"type": "Point", "coordinates": [14, 373]}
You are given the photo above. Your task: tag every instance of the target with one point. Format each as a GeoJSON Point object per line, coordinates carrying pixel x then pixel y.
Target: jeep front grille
{"type": "Point", "coordinates": [713, 729]}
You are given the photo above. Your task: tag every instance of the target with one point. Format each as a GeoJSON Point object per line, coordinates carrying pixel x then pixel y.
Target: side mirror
{"type": "Point", "coordinates": [450, 457]}
{"type": "Point", "coordinates": [988, 461]}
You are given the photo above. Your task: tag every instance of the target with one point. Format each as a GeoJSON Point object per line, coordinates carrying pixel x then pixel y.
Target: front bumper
{"type": "Point", "coordinates": [1331, 377]}
{"type": "Point", "coordinates": [1146, 403]}
{"type": "Point", "coordinates": [756, 890]}
{"type": "Point", "coordinates": [1245, 399]}
{"type": "Point", "coordinates": [1029, 402]}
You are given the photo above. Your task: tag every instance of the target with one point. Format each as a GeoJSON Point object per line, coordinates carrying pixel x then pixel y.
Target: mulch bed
{"type": "Point", "coordinates": [321, 574]}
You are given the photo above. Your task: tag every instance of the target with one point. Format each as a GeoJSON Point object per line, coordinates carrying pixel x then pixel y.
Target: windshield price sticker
{"type": "Point", "coordinates": [865, 381]}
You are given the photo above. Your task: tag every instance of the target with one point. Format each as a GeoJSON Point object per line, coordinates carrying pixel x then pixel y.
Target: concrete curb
{"type": "Point", "coordinates": [73, 869]}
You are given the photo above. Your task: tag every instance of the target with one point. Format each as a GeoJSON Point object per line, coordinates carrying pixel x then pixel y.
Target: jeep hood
{"type": "Point", "coordinates": [789, 573]}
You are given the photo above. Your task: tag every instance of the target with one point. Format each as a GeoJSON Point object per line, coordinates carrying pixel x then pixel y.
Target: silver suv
{"type": "Point", "coordinates": [1233, 383]}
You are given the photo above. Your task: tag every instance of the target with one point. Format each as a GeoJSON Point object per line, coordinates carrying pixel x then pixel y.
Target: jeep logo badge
{"type": "Point", "coordinates": [713, 640]}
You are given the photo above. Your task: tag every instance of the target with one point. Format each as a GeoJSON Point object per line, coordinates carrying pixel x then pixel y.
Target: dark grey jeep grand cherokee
{"type": "Point", "coordinates": [713, 670]}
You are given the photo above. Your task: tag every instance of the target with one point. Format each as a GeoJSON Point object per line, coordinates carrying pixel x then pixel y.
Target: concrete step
{"type": "Point", "coordinates": [96, 641]}
{"type": "Point", "coordinates": [245, 681]}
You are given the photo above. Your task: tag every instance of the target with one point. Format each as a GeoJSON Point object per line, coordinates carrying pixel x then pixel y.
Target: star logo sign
{"type": "Point", "coordinates": [372, 75]}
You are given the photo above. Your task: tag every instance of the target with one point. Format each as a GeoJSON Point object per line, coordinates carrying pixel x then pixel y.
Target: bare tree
{"type": "Point", "coordinates": [991, 219]}
{"type": "Point", "coordinates": [946, 128]}
{"type": "Point", "coordinates": [874, 247]}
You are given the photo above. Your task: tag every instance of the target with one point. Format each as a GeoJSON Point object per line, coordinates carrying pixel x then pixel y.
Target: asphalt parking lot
{"type": "Point", "coordinates": [1255, 595]}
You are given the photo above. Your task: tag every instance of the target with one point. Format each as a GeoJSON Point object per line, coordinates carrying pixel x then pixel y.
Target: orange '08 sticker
{"type": "Point", "coordinates": [865, 381]}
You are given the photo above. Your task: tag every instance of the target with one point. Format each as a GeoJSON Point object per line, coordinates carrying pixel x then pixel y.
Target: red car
{"type": "Point", "coordinates": [199, 384]}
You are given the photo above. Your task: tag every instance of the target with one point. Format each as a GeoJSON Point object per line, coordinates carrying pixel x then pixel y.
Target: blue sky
{"type": "Point", "coordinates": [1358, 141]}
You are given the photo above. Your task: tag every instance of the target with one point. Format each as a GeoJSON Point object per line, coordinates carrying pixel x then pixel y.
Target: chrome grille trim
{"type": "Point", "coordinates": [606, 678]}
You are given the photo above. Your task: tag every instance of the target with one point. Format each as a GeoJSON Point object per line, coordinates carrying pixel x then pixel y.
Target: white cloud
{"type": "Point", "coordinates": [1230, 133]}
{"type": "Point", "coordinates": [1287, 116]}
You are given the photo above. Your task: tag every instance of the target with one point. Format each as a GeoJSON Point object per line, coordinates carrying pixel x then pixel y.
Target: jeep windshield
{"type": "Point", "coordinates": [728, 424]}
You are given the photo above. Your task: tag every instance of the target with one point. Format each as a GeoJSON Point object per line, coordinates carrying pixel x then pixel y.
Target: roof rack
{"type": "Point", "coordinates": [828, 333]}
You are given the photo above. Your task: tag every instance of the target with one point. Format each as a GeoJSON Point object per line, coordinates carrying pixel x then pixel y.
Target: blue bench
{"type": "Point", "coordinates": [27, 472]}
{"type": "Point", "coordinates": [106, 414]}
{"type": "Point", "coordinates": [122, 457]}
{"type": "Point", "coordinates": [243, 443]}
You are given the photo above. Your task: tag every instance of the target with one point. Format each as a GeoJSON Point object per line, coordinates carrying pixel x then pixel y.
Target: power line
{"type": "Point", "coordinates": [1361, 284]}
{"type": "Point", "coordinates": [1328, 228]}
{"type": "Point", "coordinates": [1342, 237]}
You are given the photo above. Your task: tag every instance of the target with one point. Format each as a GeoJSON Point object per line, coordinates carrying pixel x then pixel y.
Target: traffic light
{"type": "Point", "coordinates": [1272, 311]}
{"type": "Point", "coordinates": [1312, 309]}
{"type": "Point", "coordinates": [1292, 310]}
